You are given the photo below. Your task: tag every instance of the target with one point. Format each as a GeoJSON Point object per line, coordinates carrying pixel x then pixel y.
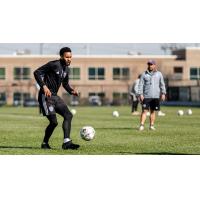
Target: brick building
{"type": "Point", "coordinates": [109, 77]}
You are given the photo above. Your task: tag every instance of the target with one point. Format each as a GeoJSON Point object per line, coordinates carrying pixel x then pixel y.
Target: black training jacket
{"type": "Point", "coordinates": [52, 75]}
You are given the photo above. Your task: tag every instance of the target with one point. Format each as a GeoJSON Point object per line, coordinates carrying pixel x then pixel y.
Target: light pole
{"type": "Point", "coordinates": [41, 48]}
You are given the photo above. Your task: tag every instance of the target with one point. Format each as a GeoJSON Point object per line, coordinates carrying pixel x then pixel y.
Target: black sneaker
{"type": "Point", "coordinates": [70, 145]}
{"type": "Point", "coordinates": [45, 146]}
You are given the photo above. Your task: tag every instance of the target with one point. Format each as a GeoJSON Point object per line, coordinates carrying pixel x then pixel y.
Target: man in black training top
{"type": "Point", "coordinates": [49, 77]}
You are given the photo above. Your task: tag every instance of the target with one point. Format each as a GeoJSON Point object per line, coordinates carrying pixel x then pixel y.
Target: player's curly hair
{"type": "Point", "coordinates": [64, 49]}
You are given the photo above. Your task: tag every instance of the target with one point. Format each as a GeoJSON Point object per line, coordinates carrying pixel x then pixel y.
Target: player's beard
{"type": "Point", "coordinates": [67, 63]}
{"type": "Point", "coordinates": [150, 69]}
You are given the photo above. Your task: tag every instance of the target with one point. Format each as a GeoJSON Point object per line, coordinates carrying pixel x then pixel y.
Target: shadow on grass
{"type": "Point", "coordinates": [155, 153]}
{"type": "Point", "coordinates": [14, 147]}
{"type": "Point", "coordinates": [117, 128]}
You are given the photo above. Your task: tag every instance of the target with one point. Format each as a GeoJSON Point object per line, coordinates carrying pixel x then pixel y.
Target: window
{"type": "Point", "coordinates": [18, 97]}
{"type": "Point", "coordinates": [178, 73]}
{"type": "Point", "coordinates": [25, 73]}
{"type": "Point", "coordinates": [100, 94]}
{"type": "Point", "coordinates": [179, 94]}
{"type": "Point", "coordinates": [116, 73]}
{"type": "Point", "coordinates": [125, 74]}
{"type": "Point", "coordinates": [121, 73]}
{"type": "Point", "coordinates": [194, 73]}
{"type": "Point", "coordinates": [2, 73]}
{"type": "Point", "coordinates": [120, 98]}
{"type": "Point", "coordinates": [21, 73]}
{"type": "Point", "coordinates": [125, 98]}
{"type": "Point", "coordinates": [74, 73]}
{"type": "Point", "coordinates": [100, 73]}
{"type": "Point", "coordinates": [116, 95]}
{"type": "Point", "coordinates": [178, 70]}
{"type": "Point", "coordinates": [96, 73]}
{"type": "Point", "coordinates": [91, 73]}
{"type": "Point", "coordinates": [92, 94]}
{"type": "Point", "coordinates": [2, 98]}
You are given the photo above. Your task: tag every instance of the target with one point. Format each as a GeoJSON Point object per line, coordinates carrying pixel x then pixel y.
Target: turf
{"type": "Point", "coordinates": [21, 132]}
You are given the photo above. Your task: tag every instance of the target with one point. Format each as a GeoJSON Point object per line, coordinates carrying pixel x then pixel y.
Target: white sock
{"type": "Point", "coordinates": [66, 140]}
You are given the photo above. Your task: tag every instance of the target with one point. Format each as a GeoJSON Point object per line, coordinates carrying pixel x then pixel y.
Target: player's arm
{"type": "Point", "coordinates": [39, 76]}
{"type": "Point", "coordinates": [67, 87]}
{"type": "Point", "coordinates": [140, 88]}
{"type": "Point", "coordinates": [162, 88]}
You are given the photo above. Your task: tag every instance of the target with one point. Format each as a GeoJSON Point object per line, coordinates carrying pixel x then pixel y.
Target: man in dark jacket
{"type": "Point", "coordinates": [50, 77]}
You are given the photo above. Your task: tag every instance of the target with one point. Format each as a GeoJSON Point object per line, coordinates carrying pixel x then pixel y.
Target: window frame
{"type": "Point", "coordinates": [121, 75]}
{"type": "Point", "coordinates": [96, 75]}
{"type": "Point", "coordinates": [72, 75]}
{"type": "Point", "coordinates": [3, 76]}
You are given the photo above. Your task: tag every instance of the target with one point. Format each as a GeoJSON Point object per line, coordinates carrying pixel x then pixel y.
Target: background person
{"type": "Point", "coordinates": [134, 96]}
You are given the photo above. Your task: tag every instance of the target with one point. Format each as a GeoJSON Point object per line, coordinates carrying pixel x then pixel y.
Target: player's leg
{"type": "Point", "coordinates": [47, 108]}
{"type": "Point", "coordinates": [143, 119]}
{"type": "Point", "coordinates": [145, 109]}
{"type": "Point", "coordinates": [49, 130]}
{"type": "Point", "coordinates": [132, 104]}
{"type": "Point", "coordinates": [154, 106]}
{"type": "Point", "coordinates": [62, 109]}
{"type": "Point", "coordinates": [136, 105]}
{"type": "Point", "coordinates": [152, 119]}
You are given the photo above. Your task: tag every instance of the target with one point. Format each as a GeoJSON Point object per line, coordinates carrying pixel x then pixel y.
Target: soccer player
{"type": "Point", "coordinates": [50, 77]}
{"type": "Point", "coordinates": [134, 97]}
{"type": "Point", "coordinates": [151, 89]}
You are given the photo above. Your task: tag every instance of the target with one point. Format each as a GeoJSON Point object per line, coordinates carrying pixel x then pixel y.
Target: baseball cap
{"type": "Point", "coordinates": [152, 62]}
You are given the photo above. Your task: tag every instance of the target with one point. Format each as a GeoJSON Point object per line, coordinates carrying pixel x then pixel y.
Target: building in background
{"type": "Point", "coordinates": [109, 77]}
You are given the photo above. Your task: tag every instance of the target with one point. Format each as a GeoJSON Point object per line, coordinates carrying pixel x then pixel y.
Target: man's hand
{"type": "Point", "coordinates": [141, 97]}
{"type": "Point", "coordinates": [163, 97]}
{"type": "Point", "coordinates": [47, 92]}
{"type": "Point", "coordinates": [75, 93]}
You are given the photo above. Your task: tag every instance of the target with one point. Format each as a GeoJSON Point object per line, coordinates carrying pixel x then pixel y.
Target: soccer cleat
{"type": "Point", "coordinates": [160, 113]}
{"type": "Point", "coordinates": [152, 128]}
{"type": "Point", "coordinates": [141, 128]}
{"type": "Point", "coordinates": [135, 113]}
{"type": "Point", "coordinates": [70, 145]}
{"type": "Point", "coordinates": [45, 146]}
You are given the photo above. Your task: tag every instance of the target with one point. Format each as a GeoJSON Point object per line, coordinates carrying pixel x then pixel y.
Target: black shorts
{"type": "Point", "coordinates": [52, 105]}
{"type": "Point", "coordinates": [152, 104]}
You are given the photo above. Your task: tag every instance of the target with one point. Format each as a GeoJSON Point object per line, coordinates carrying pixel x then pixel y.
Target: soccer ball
{"type": "Point", "coordinates": [189, 112]}
{"type": "Point", "coordinates": [87, 133]}
{"type": "Point", "coordinates": [115, 113]}
{"type": "Point", "coordinates": [148, 113]}
{"type": "Point", "coordinates": [180, 112]}
{"type": "Point", "coordinates": [73, 111]}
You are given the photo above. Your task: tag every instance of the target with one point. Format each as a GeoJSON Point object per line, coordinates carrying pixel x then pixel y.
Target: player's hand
{"type": "Point", "coordinates": [163, 97]}
{"type": "Point", "coordinates": [47, 92]}
{"type": "Point", "coordinates": [75, 93]}
{"type": "Point", "coordinates": [141, 98]}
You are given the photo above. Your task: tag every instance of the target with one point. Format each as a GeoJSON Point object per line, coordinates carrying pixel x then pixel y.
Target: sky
{"type": "Point", "coordinates": [92, 48]}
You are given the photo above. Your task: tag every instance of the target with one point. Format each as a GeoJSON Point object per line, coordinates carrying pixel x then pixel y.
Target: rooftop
{"type": "Point", "coordinates": [93, 56]}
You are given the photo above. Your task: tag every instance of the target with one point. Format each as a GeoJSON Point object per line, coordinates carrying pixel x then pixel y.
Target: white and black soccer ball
{"type": "Point", "coordinates": [189, 112]}
{"type": "Point", "coordinates": [87, 133]}
{"type": "Point", "coordinates": [180, 112]}
{"type": "Point", "coordinates": [115, 113]}
{"type": "Point", "coordinates": [73, 111]}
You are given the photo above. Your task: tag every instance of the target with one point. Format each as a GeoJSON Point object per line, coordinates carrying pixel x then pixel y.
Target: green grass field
{"type": "Point", "coordinates": [21, 132]}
